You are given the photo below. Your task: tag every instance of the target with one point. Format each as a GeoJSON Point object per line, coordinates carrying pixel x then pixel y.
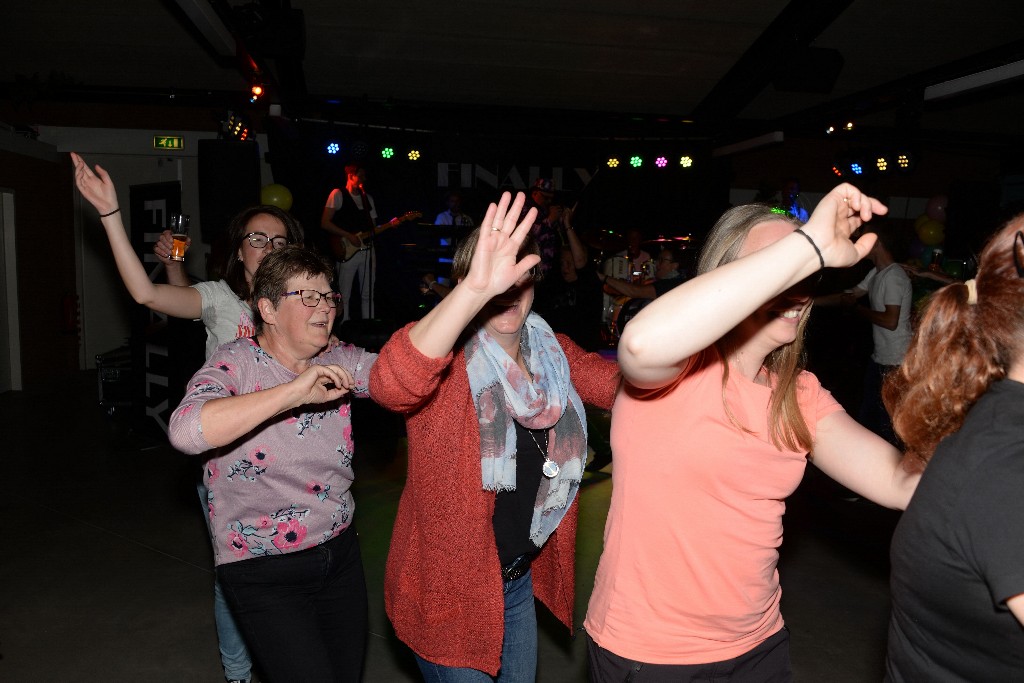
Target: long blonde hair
{"type": "Point", "coordinates": [787, 428]}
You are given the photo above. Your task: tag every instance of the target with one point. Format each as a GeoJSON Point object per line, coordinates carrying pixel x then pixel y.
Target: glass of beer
{"type": "Point", "coordinates": [179, 235]}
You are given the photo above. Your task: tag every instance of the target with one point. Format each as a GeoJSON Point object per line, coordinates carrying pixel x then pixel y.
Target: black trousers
{"type": "Point", "coordinates": [767, 663]}
{"type": "Point", "coordinates": [303, 614]}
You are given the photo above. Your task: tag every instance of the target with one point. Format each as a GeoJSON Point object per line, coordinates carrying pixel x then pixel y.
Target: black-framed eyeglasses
{"type": "Point", "coordinates": [311, 297]}
{"type": "Point", "coordinates": [259, 240]}
{"type": "Point", "coordinates": [1019, 237]}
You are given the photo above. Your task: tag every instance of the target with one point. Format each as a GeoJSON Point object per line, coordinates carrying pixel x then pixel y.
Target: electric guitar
{"type": "Point", "coordinates": [344, 250]}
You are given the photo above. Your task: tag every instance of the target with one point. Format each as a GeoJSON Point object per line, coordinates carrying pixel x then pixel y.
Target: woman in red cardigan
{"type": "Point", "coordinates": [493, 401]}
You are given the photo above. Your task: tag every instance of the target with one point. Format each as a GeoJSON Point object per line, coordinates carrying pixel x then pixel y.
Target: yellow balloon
{"type": "Point", "coordinates": [276, 195]}
{"type": "Point", "coordinates": [931, 232]}
{"type": "Point", "coordinates": [920, 219]}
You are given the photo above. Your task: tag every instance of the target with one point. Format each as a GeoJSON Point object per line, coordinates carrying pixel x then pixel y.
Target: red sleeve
{"type": "Point", "coordinates": [402, 378]}
{"type": "Point", "coordinates": [596, 379]}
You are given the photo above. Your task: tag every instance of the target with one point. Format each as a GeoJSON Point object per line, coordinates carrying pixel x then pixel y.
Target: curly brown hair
{"type": "Point", "coordinates": [959, 348]}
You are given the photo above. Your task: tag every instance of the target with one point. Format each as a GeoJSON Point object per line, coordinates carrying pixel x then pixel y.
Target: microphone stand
{"type": "Point", "coordinates": [371, 265]}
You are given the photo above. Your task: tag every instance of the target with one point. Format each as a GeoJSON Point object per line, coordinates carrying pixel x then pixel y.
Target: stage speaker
{"type": "Point", "coordinates": [229, 181]}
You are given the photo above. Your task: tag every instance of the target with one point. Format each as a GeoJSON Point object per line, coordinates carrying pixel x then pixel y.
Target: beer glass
{"type": "Point", "coordinates": [179, 235]}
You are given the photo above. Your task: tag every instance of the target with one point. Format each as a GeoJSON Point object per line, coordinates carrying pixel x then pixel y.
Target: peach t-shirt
{"type": "Point", "coordinates": [688, 573]}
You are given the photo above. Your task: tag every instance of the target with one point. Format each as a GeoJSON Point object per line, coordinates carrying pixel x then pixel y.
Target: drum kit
{"type": "Point", "coordinates": [618, 309]}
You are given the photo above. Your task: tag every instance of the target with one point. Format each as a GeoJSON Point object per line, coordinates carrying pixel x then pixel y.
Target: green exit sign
{"type": "Point", "coordinates": [168, 142]}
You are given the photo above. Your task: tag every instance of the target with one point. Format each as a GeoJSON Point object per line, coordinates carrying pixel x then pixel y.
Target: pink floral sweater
{"type": "Point", "coordinates": [285, 486]}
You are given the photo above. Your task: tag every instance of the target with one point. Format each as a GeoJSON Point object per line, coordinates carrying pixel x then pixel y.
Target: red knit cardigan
{"type": "Point", "coordinates": [442, 586]}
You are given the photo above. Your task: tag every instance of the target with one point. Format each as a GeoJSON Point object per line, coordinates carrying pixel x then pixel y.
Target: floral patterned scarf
{"type": "Point", "coordinates": [503, 395]}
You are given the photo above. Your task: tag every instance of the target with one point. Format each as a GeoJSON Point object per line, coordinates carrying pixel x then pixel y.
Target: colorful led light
{"type": "Point", "coordinates": [636, 161]}
{"type": "Point", "coordinates": [661, 162]}
{"type": "Point", "coordinates": [387, 152]}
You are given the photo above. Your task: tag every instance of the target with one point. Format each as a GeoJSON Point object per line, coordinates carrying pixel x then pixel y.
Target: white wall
{"type": "Point", "coordinates": [129, 157]}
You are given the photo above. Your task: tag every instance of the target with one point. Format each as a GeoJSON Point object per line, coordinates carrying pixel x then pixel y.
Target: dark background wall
{"type": "Point", "coordinates": [47, 302]}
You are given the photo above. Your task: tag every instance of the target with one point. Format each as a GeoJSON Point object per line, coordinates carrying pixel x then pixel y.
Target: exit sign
{"type": "Point", "coordinates": [168, 142]}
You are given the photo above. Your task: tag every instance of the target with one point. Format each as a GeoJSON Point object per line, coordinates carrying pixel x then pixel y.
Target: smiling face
{"type": "Point", "coordinates": [250, 256]}
{"type": "Point", "coordinates": [504, 315]}
{"type": "Point", "coordinates": [775, 322]}
{"type": "Point", "coordinates": [304, 329]}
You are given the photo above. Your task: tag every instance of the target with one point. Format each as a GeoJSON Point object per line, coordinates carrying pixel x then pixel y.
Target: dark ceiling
{"type": "Point", "coordinates": [719, 70]}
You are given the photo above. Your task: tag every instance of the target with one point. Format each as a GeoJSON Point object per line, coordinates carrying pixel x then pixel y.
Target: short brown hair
{"type": "Point", "coordinates": [277, 268]}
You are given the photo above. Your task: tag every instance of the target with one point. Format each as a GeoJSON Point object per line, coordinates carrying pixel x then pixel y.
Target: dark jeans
{"type": "Point", "coordinates": [766, 663]}
{"type": "Point", "coordinates": [873, 414]}
{"type": "Point", "coordinates": [303, 614]}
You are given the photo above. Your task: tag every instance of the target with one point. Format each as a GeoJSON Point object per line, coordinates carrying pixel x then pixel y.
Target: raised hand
{"type": "Point", "coordinates": [96, 186]}
{"type": "Point", "coordinates": [494, 268]}
{"type": "Point", "coordinates": [838, 215]}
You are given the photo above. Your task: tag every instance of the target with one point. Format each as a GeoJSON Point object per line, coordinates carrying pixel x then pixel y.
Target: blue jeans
{"type": "Point", "coordinates": [304, 613]}
{"type": "Point", "coordinates": [872, 413]}
{"type": "Point", "coordinates": [234, 656]}
{"type": "Point", "coordinates": [518, 649]}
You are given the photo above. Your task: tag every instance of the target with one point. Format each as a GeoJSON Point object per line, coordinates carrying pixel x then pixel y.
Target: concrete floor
{"type": "Point", "coordinates": [111, 578]}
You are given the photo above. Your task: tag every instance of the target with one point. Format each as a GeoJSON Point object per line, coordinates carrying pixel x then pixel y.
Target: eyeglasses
{"type": "Point", "coordinates": [311, 297]}
{"type": "Point", "coordinates": [259, 240]}
{"type": "Point", "coordinates": [1019, 237]}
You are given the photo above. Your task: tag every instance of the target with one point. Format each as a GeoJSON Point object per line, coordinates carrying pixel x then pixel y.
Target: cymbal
{"type": "Point", "coordinates": [681, 241]}
{"type": "Point", "coordinates": [605, 240]}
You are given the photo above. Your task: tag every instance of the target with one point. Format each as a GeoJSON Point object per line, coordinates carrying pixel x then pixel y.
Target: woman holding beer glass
{"type": "Point", "coordinates": [223, 306]}
{"type": "Point", "coordinates": [497, 443]}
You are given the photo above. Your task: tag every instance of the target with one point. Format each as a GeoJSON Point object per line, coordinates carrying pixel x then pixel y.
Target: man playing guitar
{"type": "Point", "coordinates": [349, 211]}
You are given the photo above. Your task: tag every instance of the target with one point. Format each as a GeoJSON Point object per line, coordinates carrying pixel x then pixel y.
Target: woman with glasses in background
{"type": "Point", "coordinates": [276, 407]}
{"type": "Point", "coordinates": [957, 403]}
{"type": "Point", "coordinates": [222, 305]}
{"type": "Point", "coordinates": [493, 401]}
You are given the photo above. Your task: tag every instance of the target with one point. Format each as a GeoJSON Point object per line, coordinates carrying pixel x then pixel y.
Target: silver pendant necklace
{"type": "Point", "coordinates": [550, 468]}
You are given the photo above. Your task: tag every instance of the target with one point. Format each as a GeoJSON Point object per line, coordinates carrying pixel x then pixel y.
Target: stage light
{"type": "Point", "coordinates": [414, 155]}
{"type": "Point", "coordinates": [636, 161]}
{"type": "Point", "coordinates": [235, 126]}
{"type": "Point", "coordinates": [255, 92]}
{"type": "Point", "coordinates": [837, 171]}
{"type": "Point", "coordinates": [830, 130]}
{"type": "Point", "coordinates": [333, 148]}
{"type": "Point", "coordinates": [613, 162]}
{"type": "Point", "coordinates": [387, 152]}
{"type": "Point", "coordinates": [849, 126]}
{"type": "Point", "coordinates": [882, 164]}
{"type": "Point", "coordinates": [661, 162]}
{"type": "Point", "coordinates": [686, 161]}
{"type": "Point", "coordinates": [856, 168]}
{"type": "Point", "coordinates": [904, 161]}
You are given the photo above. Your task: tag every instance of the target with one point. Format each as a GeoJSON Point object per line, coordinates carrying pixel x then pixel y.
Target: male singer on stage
{"type": "Point", "coordinates": [350, 210]}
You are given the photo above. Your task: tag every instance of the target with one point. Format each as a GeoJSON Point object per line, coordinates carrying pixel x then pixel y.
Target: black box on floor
{"type": "Point", "coordinates": [114, 379]}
